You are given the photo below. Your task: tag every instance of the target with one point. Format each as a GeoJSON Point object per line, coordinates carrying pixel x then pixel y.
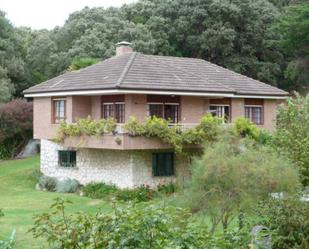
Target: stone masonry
{"type": "Point", "coordinates": [125, 169]}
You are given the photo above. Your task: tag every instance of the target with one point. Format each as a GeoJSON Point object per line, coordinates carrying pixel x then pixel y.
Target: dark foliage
{"type": "Point", "coordinates": [15, 126]}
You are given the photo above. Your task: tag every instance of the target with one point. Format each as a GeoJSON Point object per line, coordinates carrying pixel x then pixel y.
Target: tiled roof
{"type": "Point", "coordinates": [137, 71]}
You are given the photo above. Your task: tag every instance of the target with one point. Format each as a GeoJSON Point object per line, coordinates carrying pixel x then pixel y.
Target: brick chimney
{"type": "Point", "coordinates": [123, 48]}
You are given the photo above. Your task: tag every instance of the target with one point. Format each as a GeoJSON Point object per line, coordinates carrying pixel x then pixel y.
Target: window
{"type": "Point", "coordinates": [67, 158]}
{"type": "Point", "coordinates": [163, 164]}
{"type": "Point", "coordinates": [114, 110]}
{"type": "Point", "coordinates": [59, 110]}
{"type": "Point", "coordinates": [168, 111]}
{"type": "Point", "coordinates": [254, 114]}
{"type": "Point", "coordinates": [156, 110]}
{"type": "Point", "coordinates": [221, 111]}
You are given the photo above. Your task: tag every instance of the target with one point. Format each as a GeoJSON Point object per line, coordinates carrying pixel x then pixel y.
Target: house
{"type": "Point", "coordinates": [139, 85]}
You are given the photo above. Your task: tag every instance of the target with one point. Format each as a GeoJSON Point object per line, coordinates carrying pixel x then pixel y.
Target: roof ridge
{"type": "Point", "coordinates": [183, 70]}
{"type": "Point", "coordinates": [126, 69]}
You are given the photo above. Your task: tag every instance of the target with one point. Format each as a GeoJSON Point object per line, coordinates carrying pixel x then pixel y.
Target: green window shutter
{"type": "Point", "coordinates": [154, 165]}
{"type": "Point", "coordinates": [169, 164]}
{"type": "Point", "coordinates": [163, 164]}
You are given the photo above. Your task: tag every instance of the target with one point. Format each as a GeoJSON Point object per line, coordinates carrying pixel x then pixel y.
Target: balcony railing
{"type": "Point", "coordinates": [183, 127]}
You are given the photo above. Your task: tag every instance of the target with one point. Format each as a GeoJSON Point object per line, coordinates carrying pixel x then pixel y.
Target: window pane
{"type": "Point", "coordinates": [67, 158]}
{"type": "Point", "coordinates": [156, 110]}
{"type": "Point", "coordinates": [108, 110]}
{"type": "Point", "coordinates": [220, 112]}
{"type": "Point", "coordinates": [59, 110]}
{"type": "Point", "coordinates": [119, 112]}
{"type": "Point", "coordinates": [163, 164]}
{"type": "Point", "coordinates": [254, 114]}
{"type": "Point", "coordinates": [171, 113]}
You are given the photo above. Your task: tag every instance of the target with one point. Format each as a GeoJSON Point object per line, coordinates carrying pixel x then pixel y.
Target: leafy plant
{"type": "Point", "coordinates": [67, 186]}
{"type": "Point", "coordinates": [233, 174]}
{"type": "Point", "coordinates": [288, 218]}
{"type": "Point", "coordinates": [207, 130]}
{"type": "Point", "coordinates": [132, 227]}
{"type": "Point", "coordinates": [98, 190]}
{"type": "Point", "coordinates": [47, 183]}
{"type": "Point", "coordinates": [87, 127]}
{"type": "Point", "coordinates": [245, 128]}
{"type": "Point", "coordinates": [168, 188]}
{"type": "Point", "coordinates": [291, 137]}
{"type": "Point", "coordinates": [140, 194]}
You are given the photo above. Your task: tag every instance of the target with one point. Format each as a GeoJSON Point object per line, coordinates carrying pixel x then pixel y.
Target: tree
{"type": "Point", "coordinates": [293, 25]}
{"type": "Point", "coordinates": [13, 72]}
{"type": "Point", "coordinates": [15, 126]}
{"type": "Point", "coordinates": [292, 134]}
{"type": "Point", "coordinates": [234, 174]}
{"type": "Point", "coordinates": [81, 63]}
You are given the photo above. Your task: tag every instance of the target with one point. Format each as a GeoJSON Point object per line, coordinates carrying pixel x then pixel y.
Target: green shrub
{"type": "Point", "coordinates": [233, 174]}
{"type": "Point", "coordinates": [132, 227]}
{"type": "Point", "coordinates": [34, 175]}
{"type": "Point", "coordinates": [168, 188]}
{"type": "Point", "coordinates": [289, 221]}
{"type": "Point", "coordinates": [67, 186]}
{"type": "Point", "coordinates": [245, 128]}
{"type": "Point", "coordinates": [291, 137]}
{"type": "Point", "coordinates": [98, 190]}
{"type": "Point", "coordinates": [48, 183]}
{"type": "Point", "coordinates": [140, 194]}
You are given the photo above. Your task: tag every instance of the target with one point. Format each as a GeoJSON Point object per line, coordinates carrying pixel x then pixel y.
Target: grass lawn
{"type": "Point", "coordinates": [20, 201]}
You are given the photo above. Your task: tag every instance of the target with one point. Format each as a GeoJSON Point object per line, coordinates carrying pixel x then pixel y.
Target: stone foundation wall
{"type": "Point", "coordinates": [126, 169]}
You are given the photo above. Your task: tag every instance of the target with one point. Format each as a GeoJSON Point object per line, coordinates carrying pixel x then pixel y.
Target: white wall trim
{"type": "Point", "coordinates": [120, 91]}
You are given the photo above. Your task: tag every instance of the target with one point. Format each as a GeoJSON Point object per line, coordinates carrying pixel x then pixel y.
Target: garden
{"type": "Point", "coordinates": [259, 182]}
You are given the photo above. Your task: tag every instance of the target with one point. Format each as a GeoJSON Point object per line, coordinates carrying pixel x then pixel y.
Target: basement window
{"type": "Point", "coordinates": [67, 158]}
{"type": "Point", "coordinates": [163, 164]}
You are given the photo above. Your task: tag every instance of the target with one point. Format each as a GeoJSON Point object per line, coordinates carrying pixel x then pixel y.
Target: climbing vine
{"type": "Point", "coordinates": [87, 126]}
{"type": "Point", "coordinates": [206, 131]}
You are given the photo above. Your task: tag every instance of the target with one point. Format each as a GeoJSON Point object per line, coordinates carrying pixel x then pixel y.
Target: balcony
{"type": "Point", "coordinates": [121, 140]}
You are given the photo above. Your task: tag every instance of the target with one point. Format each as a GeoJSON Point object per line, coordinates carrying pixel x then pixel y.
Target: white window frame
{"type": "Point", "coordinates": [222, 105]}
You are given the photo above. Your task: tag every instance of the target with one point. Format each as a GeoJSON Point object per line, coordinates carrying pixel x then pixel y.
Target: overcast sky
{"type": "Point", "coordinates": [47, 14]}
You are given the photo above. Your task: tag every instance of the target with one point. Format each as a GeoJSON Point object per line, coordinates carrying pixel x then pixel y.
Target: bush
{"type": "Point", "coordinates": [233, 174]}
{"type": "Point", "coordinates": [292, 134]}
{"type": "Point", "coordinates": [98, 190]}
{"type": "Point", "coordinates": [289, 221]}
{"type": "Point", "coordinates": [34, 175]}
{"type": "Point", "coordinates": [131, 227]}
{"type": "Point", "coordinates": [48, 183]}
{"type": "Point", "coordinates": [15, 127]}
{"type": "Point", "coordinates": [67, 186]}
{"type": "Point", "coordinates": [167, 189]}
{"type": "Point", "coordinates": [140, 194]}
{"type": "Point", "coordinates": [245, 128]}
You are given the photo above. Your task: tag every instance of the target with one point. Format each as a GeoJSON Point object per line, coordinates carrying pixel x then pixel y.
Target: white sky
{"type": "Point", "coordinates": [39, 14]}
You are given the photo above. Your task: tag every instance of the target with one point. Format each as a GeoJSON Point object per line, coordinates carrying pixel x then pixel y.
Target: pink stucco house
{"type": "Point", "coordinates": [139, 85]}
